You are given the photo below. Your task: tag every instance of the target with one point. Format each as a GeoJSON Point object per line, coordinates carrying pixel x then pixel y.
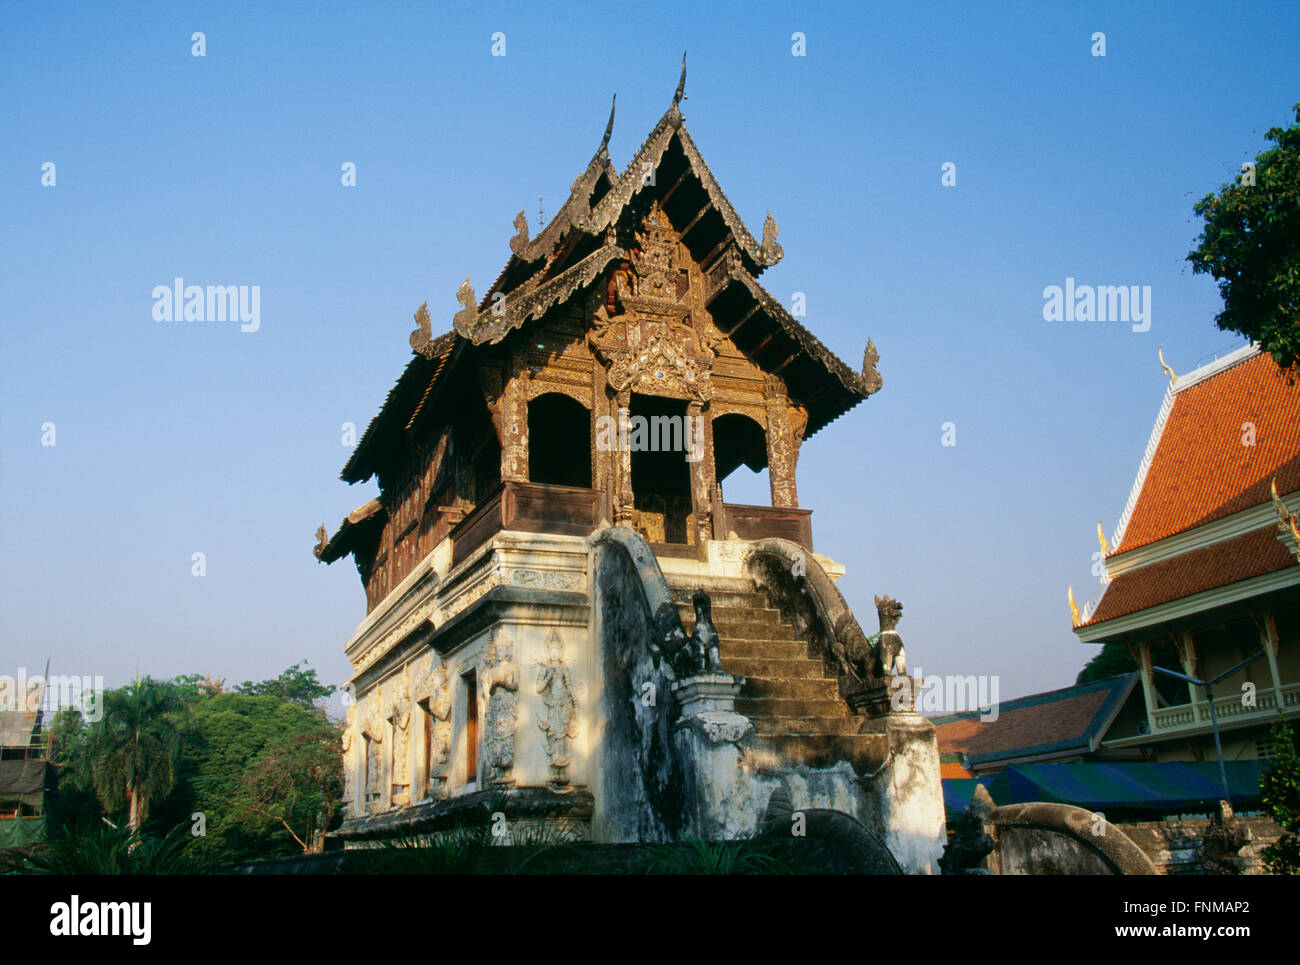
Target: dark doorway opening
{"type": "Point", "coordinates": [559, 441]}
{"type": "Point", "coordinates": [661, 475]}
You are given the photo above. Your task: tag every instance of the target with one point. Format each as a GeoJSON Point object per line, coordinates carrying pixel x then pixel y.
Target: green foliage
{"type": "Point", "coordinates": [1112, 660]}
{"type": "Point", "coordinates": [1251, 246]}
{"type": "Point", "coordinates": [263, 767]}
{"type": "Point", "coordinates": [1280, 793]}
{"type": "Point", "coordinates": [757, 855]}
{"type": "Point", "coordinates": [266, 773]}
{"type": "Point", "coordinates": [75, 800]}
{"type": "Point", "coordinates": [104, 850]}
{"type": "Point", "coordinates": [294, 685]}
{"type": "Point", "coordinates": [131, 751]}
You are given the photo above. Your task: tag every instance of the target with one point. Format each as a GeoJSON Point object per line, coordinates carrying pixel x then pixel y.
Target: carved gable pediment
{"type": "Point", "coordinates": [643, 327]}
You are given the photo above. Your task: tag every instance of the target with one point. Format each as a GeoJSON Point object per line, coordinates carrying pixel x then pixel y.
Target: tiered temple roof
{"type": "Point", "coordinates": [594, 243]}
{"type": "Point", "coordinates": [1201, 514]}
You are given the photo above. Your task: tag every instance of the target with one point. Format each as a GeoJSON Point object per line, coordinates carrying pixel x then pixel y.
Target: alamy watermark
{"type": "Point", "coordinates": [657, 433]}
{"type": "Point", "coordinates": [31, 693]}
{"type": "Point", "coordinates": [947, 694]}
{"type": "Point", "coordinates": [1103, 303]}
{"type": "Point", "coordinates": [180, 302]}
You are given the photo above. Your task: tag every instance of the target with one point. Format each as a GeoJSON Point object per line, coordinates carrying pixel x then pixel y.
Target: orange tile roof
{"type": "Point", "coordinates": [1201, 471]}
{"type": "Point", "coordinates": [1048, 719]}
{"type": "Point", "coordinates": [1230, 561]}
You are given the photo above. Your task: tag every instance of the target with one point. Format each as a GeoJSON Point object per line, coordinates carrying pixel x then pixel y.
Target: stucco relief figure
{"type": "Point", "coordinates": [560, 725]}
{"type": "Point", "coordinates": [501, 683]}
{"type": "Point", "coordinates": [439, 708]}
{"type": "Point", "coordinates": [348, 740]}
{"type": "Point", "coordinates": [373, 732]}
{"type": "Point", "coordinates": [399, 716]}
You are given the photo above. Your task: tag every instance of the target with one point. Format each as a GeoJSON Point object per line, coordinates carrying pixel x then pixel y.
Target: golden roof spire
{"type": "Point", "coordinates": [1168, 371]}
{"type": "Point", "coordinates": [1101, 538]}
{"type": "Point", "coordinates": [1075, 617]}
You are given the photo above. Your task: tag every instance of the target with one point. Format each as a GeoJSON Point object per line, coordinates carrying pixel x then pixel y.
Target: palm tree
{"type": "Point", "coordinates": [134, 747]}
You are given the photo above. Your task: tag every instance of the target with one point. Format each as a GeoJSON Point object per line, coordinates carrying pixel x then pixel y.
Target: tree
{"type": "Point", "coordinates": [75, 803]}
{"type": "Point", "coordinates": [294, 685]}
{"type": "Point", "coordinates": [132, 749]}
{"type": "Point", "coordinates": [1279, 787]}
{"type": "Point", "coordinates": [265, 772]}
{"type": "Point", "coordinates": [1111, 660]}
{"type": "Point", "coordinates": [1251, 246]}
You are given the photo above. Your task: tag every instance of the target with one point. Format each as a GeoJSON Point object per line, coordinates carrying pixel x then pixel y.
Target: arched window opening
{"type": "Point", "coordinates": [559, 441]}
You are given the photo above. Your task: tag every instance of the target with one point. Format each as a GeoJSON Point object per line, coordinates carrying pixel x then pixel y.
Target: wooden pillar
{"type": "Point", "coordinates": [1187, 657]}
{"type": "Point", "coordinates": [514, 424]}
{"type": "Point", "coordinates": [624, 499]}
{"type": "Point", "coordinates": [1143, 656]}
{"type": "Point", "coordinates": [1268, 640]}
{"type": "Point", "coordinates": [699, 444]}
{"type": "Point", "coordinates": [781, 453]}
{"type": "Point", "coordinates": [602, 459]}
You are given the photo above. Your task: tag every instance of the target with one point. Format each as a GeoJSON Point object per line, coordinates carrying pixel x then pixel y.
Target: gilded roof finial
{"type": "Point", "coordinates": [464, 319]}
{"type": "Point", "coordinates": [1168, 371]}
{"type": "Point", "coordinates": [1101, 538]}
{"type": "Point", "coordinates": [422, 336]}
{"type": "Point", "coordinates": [1075, 617]}
{"type": "Point", "coordinates": [681, 84]}
{"type": "Point", "coordinates": [1287, 521]}
{"type": "Point", "coordinates": [609, 128]}
{"type": "Point", "coordinates": [519, 243]}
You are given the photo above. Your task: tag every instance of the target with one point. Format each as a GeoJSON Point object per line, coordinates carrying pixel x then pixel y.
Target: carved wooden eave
{"type": "Point", "coordinates": [412, 392]}
{"type": "Point", "coordinates": [804, 362]}
{"type": "Point", "coordinates": [491, 328]}
{"type": "Point", "coordinates": [364, 520]}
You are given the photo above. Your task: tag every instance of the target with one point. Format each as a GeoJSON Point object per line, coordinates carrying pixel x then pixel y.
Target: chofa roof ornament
{"type": "Point", "coordinates": [681, 86]}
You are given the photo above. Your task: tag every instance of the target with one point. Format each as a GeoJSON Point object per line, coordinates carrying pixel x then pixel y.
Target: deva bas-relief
{"type": "Point", "coordinates": [500, 682]}
{"type": "Point", "coordinates": [559, 726]}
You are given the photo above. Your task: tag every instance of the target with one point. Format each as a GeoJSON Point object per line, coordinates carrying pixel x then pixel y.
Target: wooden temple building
{"type": "Point", "coordinates": [622, 365]}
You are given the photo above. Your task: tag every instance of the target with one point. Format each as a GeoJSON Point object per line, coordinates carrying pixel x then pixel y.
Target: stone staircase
{"type": "Point", "coordinates": [791, 698]}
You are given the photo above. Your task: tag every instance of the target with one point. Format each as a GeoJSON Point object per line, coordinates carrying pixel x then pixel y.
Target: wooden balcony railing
{"type": "Point", "coordinates": [571, 511]}
{"type": "Point", "coordinates": [531, 508]}
{"type": "Point", "coordinates": [762, 522]}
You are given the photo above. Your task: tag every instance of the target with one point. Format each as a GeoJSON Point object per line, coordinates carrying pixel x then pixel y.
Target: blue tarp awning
{"type": "Point", "coordinates": [1122, 786]}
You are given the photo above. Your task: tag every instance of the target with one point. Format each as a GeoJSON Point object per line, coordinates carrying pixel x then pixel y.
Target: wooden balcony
{"type": "Point", "coordinates": [530, 508]}
{"type": "Point", "coordinates": [571, 511]}
{"type": "Point", "coordinates": [762, 522]}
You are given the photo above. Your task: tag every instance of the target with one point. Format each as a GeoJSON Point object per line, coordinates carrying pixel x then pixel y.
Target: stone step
{"type": "Point", "coordinates": [790, 667]}
{"type": "Point", "coordinates": [729, 630]}
{"type": "Point", "coordinates": [862, 751]}
{"type": "Point", "coordinates": [789, 726]}
{"type": "Point", "coordinates": [763, 650]}
{"type": "Point", "coordinates": [720, 597]}
{"type": "Point", "coordinates": [733, 614]}
{"type": "Point", "coordinates": [791, 707]}
{"type": "Point", "coordinates": [817, 688]}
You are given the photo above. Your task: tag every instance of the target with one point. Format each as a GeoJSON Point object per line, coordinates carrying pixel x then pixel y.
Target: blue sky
{"type": "Point", "coordinates": [179, 438]}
